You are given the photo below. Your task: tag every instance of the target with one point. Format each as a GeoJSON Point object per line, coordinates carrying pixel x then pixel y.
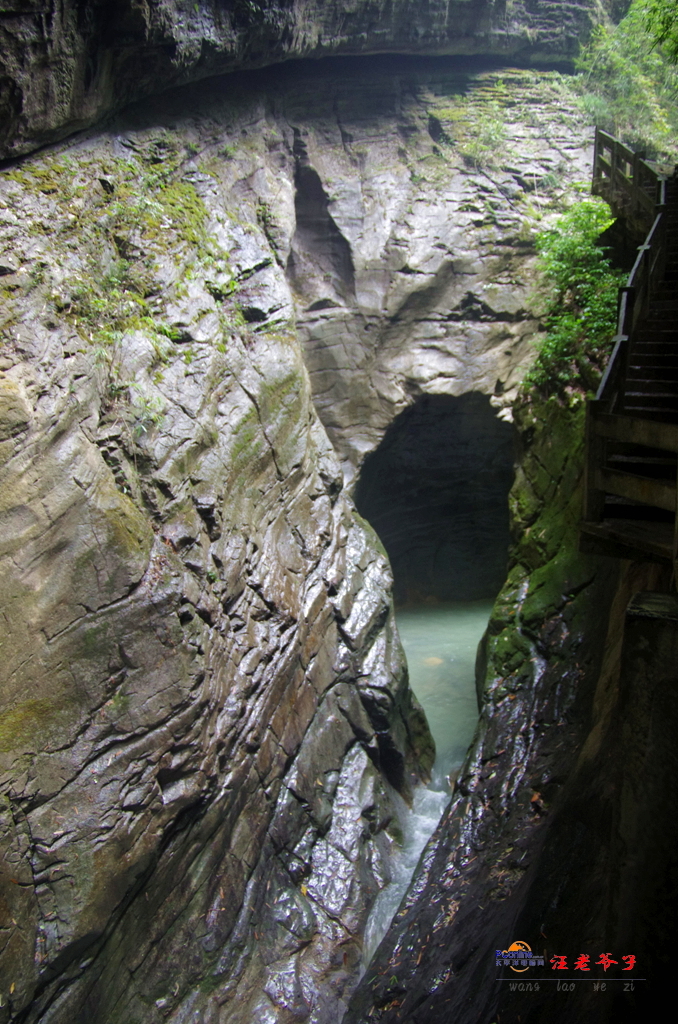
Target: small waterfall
{"type": "Point", "coordinates": [440, 642]}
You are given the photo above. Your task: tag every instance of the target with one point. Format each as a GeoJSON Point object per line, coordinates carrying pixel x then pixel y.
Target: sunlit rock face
{"type": "Point", "coordinates": [417, 194]}
{"type": "Point", "coordinates": [204, 701]}
{"type": "Point", "coordinates": [63, 65]}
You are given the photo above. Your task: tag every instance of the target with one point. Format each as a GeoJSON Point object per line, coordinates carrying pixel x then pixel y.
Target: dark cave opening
{"type": "Point", "coordinates": [436, 492]}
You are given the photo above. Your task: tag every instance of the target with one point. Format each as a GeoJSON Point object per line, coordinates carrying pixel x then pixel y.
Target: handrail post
{"type": "Point", "coordinates": [594, 498]}
{"type": "Point", "coordinates": [597, 145]}
{"type": "Point", "coordinates": [595, 151]}
{"type": "Point", "coordinates": [635, 184]}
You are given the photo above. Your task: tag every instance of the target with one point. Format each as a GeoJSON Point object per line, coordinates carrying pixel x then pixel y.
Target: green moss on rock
{"type": "Point", "coordinates": [548, 577]}
{"type": "Point", "coordinates": [31, 724]}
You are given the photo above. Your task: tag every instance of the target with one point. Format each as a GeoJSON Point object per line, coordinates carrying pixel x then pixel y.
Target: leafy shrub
{"type": "Point", "coordinates": [486, 137]}
{"type": "Point", "coordinates": [148, 411]}
{"type": "Point", "coordinates": [661, 19]}
{"type": "Point", "coordinates": [580, 289]}
{"type": "Point", "coordinates": [629, 84]}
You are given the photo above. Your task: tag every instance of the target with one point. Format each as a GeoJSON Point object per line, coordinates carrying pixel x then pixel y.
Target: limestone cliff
{"type": "Point", "coordinates": [528, 847]}
{"type": "Point", "coordinates": [204, 700]}
{"type": "Point", "coordinates": [63, 65]}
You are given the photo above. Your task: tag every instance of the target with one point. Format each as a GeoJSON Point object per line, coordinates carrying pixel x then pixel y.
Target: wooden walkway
{"type": "Point", "coordinates": [631, 501]}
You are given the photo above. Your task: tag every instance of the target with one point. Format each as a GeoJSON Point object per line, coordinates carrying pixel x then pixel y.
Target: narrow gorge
{"type": "Point", "coordinates": [264, 321]}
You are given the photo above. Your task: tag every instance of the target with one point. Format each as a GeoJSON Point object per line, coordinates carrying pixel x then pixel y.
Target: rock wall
{"type": "Point", "coordinates": [203, 697]}
{"type": "Point", "coordinates": [63, 65]}
{"type": "Point", "coordinates": [527, 849]}
{"type": "Point", "coordinates": [437, 178]}
{"type": "Point", "coordinates": [203, 700]}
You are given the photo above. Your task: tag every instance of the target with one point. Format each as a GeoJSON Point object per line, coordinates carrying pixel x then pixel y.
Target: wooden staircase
{"type": "Point", "coordinates": [631, 500]}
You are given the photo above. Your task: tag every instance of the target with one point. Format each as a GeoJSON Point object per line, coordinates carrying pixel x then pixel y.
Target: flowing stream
{"type": "Point", "coordinates": [440, 642]}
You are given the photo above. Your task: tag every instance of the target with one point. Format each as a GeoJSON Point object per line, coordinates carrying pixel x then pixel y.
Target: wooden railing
{"type": "Point", "coordinates": [637, 194]}
{"type": "Point", "coordinates": [633, 306]}
{"type": "Point", "coordinates": [627, 182]}
{"type": "Point", "coordinates": [633, 189]}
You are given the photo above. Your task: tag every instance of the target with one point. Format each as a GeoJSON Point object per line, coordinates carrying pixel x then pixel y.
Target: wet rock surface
{"type": "Point", "coordinates": [66, 64]}
{"type": "Point", "coordinates": [202, 687]}
{"type": "Point", "coordinates": [439, 216]}
{"type": "Point", "coordinates": [526, 848]}
{"type": "Point", "coordinates": [204, 700]}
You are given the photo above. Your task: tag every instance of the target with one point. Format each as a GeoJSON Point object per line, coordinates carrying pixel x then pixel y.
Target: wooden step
{"type": "Point", "coordinates": [656, 469]}
{"type": "Point", "coordinates": [652, 393]}
{"type": "Point", "coordinates": [653, 375]}
{"type": "Point", "coordinates": [648, 412]}
{"type": "Point", "coordinates": [661, 305]}
{"type": "Point", "coordinates": [655, 493]}
{"type": "Point", "coordinates": [645, 381]}
{"type": "Point", "coordinates": [631, 430]}
{"type": "Point", "coordinates": [656, 393]}
{"type": "Point", "coordinates": [656, 325]}
{"type": "Point", "coordinates": [653, 348]}
{"type": "Point", "coordinates": [665, 360]}
{"type": "Point", "coordinates": [657, 330]}
{"type": "Point", "coordinates": [629, 539]}
{"type": "Point", "coordinates": [652, 371]}
{"type": "Point", "coordinates": [618, 507]}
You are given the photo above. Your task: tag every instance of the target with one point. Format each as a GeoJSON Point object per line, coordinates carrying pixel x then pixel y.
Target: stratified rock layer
{"type": "Point", "coordinates": [65, 64]}
{"type": "Point", "coordinates": [204, 700]}
{"type": "Point", "coordinates": [435, 178]}
{"type": "Point", "coordinates": [203, 697]}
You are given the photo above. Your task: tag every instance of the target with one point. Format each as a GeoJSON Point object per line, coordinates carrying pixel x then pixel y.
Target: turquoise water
{"type": "Point", "coordinates": [440, 643]}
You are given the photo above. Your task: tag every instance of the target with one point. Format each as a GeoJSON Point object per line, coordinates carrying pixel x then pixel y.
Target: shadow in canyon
{"type": "Point", "coordinates": [436, 492]}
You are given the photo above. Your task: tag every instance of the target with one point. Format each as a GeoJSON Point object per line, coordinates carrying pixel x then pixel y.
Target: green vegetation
{"type": "Point", "coordinates": [119, 703]}
{"type": "Point", "coordinates": [628, 79]}
{"type": "Point", "coordinates": [549, 579]}
{"type": "Point", "coordinates": [486, 138]}
{"type": "Point", "coordinates": [581, 304]}
{"type": "Point", "coordinates": [119, 220]}
{"type": "Point", "coordinates": [123, 214]}
{"type": "Point", "coordinates": [148, 411]}
{"type": "Point", "coordinates": [661, 19]}
{"type": "Point", "coordinates": [477, 130]}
